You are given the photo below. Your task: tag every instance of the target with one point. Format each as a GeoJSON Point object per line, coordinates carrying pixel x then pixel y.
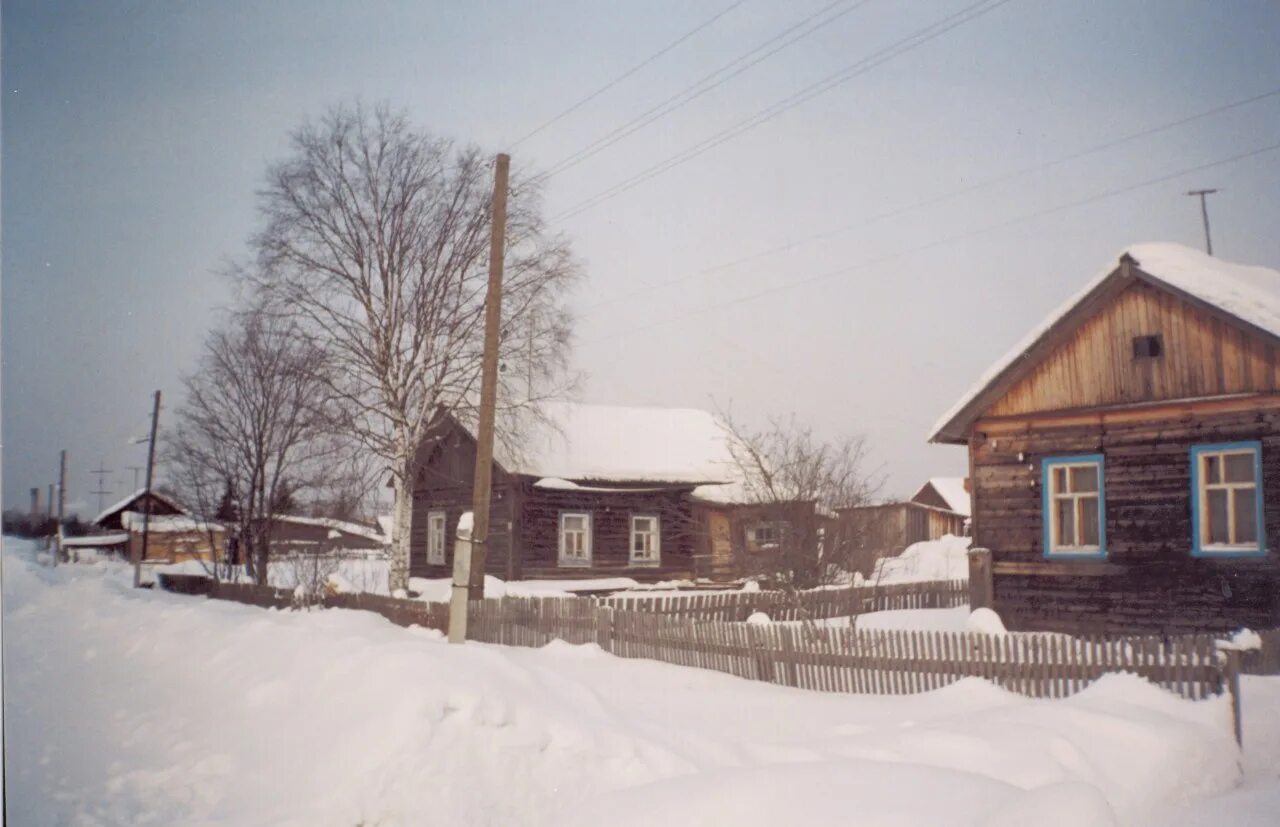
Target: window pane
{"type": "Point", "coordinates": [1059, 480]}
{"type": "Point", "coordinates": [1089, 521]}
{"type": "Point", "coordinates": [643, 524]}
{"type": "Point", "coordinates": [1066, 522]}
{"type": "Point", "coordinates": [1213, 468]}
{"type": "Point", "coordinates": [574, 523]}
{"type": "Point", "coordinates": [1239, 467]}
{"type": "Point", "coordinates": [1084, 478]}
{"type": "Point", "coordinates": [1246, 514]}
{"type": "Point", "coordinates": [1216, 514]}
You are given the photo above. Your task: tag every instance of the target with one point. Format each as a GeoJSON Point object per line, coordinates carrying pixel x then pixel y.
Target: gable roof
{"type": "Point", "coordinates": [128, 501]}
{"type": "Point", "coordinates": [952, 492]}
{"type": "Point", "coordinates": [1244, 295]}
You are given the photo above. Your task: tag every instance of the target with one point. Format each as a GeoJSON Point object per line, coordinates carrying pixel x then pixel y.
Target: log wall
{"type": "Point", "coordinates": [1149, 581]}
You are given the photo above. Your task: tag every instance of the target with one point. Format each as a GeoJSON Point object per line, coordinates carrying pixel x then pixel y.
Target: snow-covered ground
{"type": "Point", "coordinates": [141, 707]}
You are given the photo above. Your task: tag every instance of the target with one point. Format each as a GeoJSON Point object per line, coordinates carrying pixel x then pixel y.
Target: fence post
{"type": "Point", "coordinates": [1232, 676]}
{"type": "Point", "coordinates": [604, 627]}
{"type": "Point", "coordinates": [981, 590]}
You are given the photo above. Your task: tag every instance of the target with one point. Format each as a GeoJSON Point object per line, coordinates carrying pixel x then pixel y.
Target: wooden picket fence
{"type": "Point", "coordinates": [808, 655]}
{"type": "Point", "coordinates": [815, 604]}
{"type": "Point", "coordinates": [831, 659]}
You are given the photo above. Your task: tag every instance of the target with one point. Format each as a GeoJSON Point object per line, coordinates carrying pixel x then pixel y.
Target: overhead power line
{"type": "Point", "coordinates": [943, 197]}
{"type": "Point", "coordinates": [620, 78]}
{"type": "Point", "coordinates": [791, 285]}
{"type": "Point", "coordinates": [789, 36]}
{"type": "Point", "coordinates": [910, 42]}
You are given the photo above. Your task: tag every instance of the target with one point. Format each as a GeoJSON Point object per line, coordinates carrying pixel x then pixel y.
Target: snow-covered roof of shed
{"type": "Point", "coordinates": [336, 525]}
{"type": "Point", "coordinates": [127, 501]}
{"type": "Point", "coordinates": [952, 492]}
{"type": "Point", "coordinates": [614, 443]}
{"type": "Point", "coordinates": [1246, 292]}
{"type": "Point", "coordinates": [166, 523]}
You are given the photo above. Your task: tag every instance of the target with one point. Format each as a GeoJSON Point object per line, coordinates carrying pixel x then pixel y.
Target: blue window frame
{"type": "Point", "coordinates": [1075, 507]}
{"type": "Point", "coordinates": [1227, 518]}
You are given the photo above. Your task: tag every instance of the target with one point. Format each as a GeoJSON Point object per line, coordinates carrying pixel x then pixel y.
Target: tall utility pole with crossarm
{"type": "Point", "coordinates": [1204, 213]}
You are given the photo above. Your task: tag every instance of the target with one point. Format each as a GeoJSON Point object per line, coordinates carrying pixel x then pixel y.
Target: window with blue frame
{"type": "Point", "coordinates": [1074, 507]}
{"type": "Point", "coordinates": [1226, 500]}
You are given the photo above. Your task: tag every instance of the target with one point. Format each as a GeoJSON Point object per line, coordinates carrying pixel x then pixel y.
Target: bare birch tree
{"type": "Point", "coordinates": [375, 240]}
{"type": "Point", "coordinates": [252, 426]}
{"type": "Point", "coordinates": [797, 482]}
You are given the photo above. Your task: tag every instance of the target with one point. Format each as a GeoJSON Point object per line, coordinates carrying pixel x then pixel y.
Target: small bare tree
{"type": "Point", "coordinates": [252, 427]}
{"type": "Point", "coordinates": [375, 241]}
{"type": "Point", "coordinates": [793, 483]}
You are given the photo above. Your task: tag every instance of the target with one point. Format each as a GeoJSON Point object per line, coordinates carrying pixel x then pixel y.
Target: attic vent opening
{"type": "Point", "coordinates": [1147, 347]}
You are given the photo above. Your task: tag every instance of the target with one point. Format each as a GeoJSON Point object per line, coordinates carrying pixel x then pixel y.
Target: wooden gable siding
{"type": "Point", "coordinates": [444, 477]}
{"type": "Point", "coordinates": [1202, 355]}
{"type": "Point", "coordinates": [1149, 580]}
{"type": "Point", "coordinates": [889, 529]}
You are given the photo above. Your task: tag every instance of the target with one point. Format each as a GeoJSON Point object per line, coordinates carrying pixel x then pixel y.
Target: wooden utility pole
{"type": "Point", "coordinates": [468, 576]}
{"type": "Point", "coordinates": [48, 506]}
{"type": "Point", "coordinates": [146, 495]}
{"type": "Point", "coordinates": [62, 503]}
{"type": "Point", "coordinates": [1204, 214]}
{"type": "Point", "coordinates": [35, 504]}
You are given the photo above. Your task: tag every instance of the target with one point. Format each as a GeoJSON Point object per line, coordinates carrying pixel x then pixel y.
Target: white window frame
{"type": "Point", "coordinates": [437, 540]}
{"type": "Point", "coordinates": [778, 527]}
{"type": "Point", "coordinates": [565, 559]}
{"type": "Point", "coordinates": [1052, 497]}
{"type": "Point", "coordinates": [1200, 488]}
{"type": "Point", "coordinates": [654, 555]}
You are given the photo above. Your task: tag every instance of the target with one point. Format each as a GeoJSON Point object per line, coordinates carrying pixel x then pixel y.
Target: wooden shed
{"type": "Point", "coordinates": [1125, 456]}
{"type": "Point", "coordinates": [587, 491]}
{"type": "Point", "coordinates": [885, 530]}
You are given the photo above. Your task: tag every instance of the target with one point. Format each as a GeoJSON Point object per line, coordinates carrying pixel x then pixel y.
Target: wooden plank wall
{"type": "Point", "coordinates": [1150, 582]}
{"type": "Point", "coordinates": [1201, 356]}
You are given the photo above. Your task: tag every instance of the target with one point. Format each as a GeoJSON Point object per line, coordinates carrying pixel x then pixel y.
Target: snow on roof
{"type": "Point", "coordinates": [953, 493]}
{"type": "Point", "coordinates": [166, 523]}
{"type": "Point", "coordinates": [609, 442]}
{"type": "Point", "coordinates": [336, 525]}
{"type": "Point", "coordinates": [96, 540]}
{"type": "Point", "coordinates": [1249, 293]}
{"type": "Point", "coordinates": [127, 501]}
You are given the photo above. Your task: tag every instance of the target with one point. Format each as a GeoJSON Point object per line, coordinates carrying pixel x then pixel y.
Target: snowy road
{"type": "Point", "coordinates": [127, 707]}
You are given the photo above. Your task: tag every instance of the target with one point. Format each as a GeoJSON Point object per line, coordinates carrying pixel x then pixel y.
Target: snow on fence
{"type": "Point", "coordinates": [829, 659]}
{"type": "Point", "coordinates": [875, 661]}
{"type": "Point", "coordinates": [804, 605]}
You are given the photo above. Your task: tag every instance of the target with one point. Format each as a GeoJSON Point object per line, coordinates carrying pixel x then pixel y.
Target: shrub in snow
{"type": "Point", "coordinates": [759, 618]}
{"type": "Point", "coordinates": [337, 584]}
{"type": "Point", "coordinates": [985, 621]}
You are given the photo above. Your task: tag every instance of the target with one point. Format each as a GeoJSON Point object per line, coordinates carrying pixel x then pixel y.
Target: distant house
{"type": "Point", "coordinates": [886, 529]}
{"type": "Point", "coordinates": [737, 536]}
{"type": "Point", "coordinates": [173, 538]}
{"type": "Point", "coordinates": [948, 493]}
{"type": "Point", "coordinates": [1125, 456]}
{"type": "Point", "coordinates": [593, 490]}
{"type": "Point", "coordinates": [292, 532]}
{"type": "Point", "coordinates": [157, 503]}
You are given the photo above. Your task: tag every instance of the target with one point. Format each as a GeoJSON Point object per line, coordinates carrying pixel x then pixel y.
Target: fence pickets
{"type": "Point", "coordinates": [693, 631]}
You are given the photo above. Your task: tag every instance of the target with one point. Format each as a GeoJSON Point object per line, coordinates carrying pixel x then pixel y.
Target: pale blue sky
{"type": "Point", "coordinates": [135, 135]}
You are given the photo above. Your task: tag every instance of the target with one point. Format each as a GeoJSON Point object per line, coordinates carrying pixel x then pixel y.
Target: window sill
{"type": "Point", "coordinates": [1084, 554]}
{"type": "Point", "coordinates": [1212, 552]}
{"type": "Point", "coordinates": [575, 564]}
{"type": "Point", "coordinates": [644, 564]}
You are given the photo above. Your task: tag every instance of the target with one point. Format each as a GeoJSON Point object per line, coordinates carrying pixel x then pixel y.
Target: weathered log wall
{"type": "Point", "coordinates": [1149, 580]}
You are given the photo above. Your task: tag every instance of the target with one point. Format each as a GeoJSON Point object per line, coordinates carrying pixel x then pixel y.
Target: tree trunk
{"type": "Point", "coordinates": [402, 516]}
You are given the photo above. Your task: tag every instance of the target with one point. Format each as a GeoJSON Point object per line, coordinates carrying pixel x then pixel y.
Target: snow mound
{"type": "Point", "coordinates": [946, 558]}
{"type": "Point", "coordinates": [984, 621]}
